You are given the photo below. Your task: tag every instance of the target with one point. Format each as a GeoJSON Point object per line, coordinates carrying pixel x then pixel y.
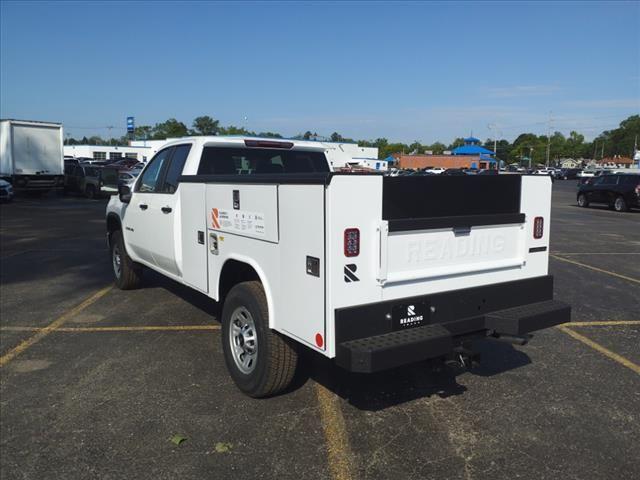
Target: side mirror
{"type": "Point", "coordinates": [124, 192]}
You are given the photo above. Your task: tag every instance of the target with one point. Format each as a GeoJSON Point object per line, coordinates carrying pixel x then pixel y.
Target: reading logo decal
{"type": "Point", "coordinates": [350, 273]}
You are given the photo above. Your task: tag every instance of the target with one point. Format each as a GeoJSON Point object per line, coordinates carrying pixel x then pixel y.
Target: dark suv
{"type": "Point", "coordinates": [620, 191]}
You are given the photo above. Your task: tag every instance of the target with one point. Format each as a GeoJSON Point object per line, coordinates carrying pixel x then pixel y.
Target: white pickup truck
{"type": "Point", "coordinates": [373, 271]}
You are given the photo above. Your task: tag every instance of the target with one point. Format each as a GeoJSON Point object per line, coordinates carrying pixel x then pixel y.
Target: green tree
{"type": "Point", "coordinates": [436, 148]}
{"type": "Point", "coordinates": [205, 125]}
{"type": "Point", "coordinates": [269, 135]}
{"type": "Point", "coordinates": [416, 147]}
{"type": "Point", "coordinates": [142, 132]}
{"type": "Point", "coordinates": [233, 130]}
{"type": "Point", "coordinates": [172, 128]}
{"type": "Point", "coordinates": [458, 142]}
{"type": "Point", "coordinates": [336, 137]}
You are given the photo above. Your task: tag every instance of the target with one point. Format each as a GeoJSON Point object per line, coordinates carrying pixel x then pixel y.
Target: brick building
{"type": "Point", "coordinates": [469, 155]}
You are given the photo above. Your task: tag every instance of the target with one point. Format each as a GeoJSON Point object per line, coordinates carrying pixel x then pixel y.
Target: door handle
{"type": "Point", "coordinates": [166, 209]}
{"type": "Point", "coordinates": [143, 206]}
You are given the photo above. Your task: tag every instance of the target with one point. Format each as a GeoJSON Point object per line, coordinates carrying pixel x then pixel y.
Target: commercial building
{"type": "Point", "coordinates": [108, 152]}
{"type": "Point", "coordinates": [469, 155]}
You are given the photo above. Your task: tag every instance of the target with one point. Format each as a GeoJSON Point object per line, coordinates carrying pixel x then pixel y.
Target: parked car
{"type": "Point", "coordinates": [125, 163]}
{"type": "Point", "coordinates": [435, 170]}
{"type": "Point", "coordinates": [592, 174]}
{"type": "Point", "coordinates": [6, 191]}
{"type": "Point", "coordinates": [127, 177]}
{"type": "Point", "coordinates": [454, 171]}
{"type": "Point", "coordinates": [90, 181]}
{"type": "Point", "coordinates": [619, 191]}
{"type": "Point", "coordinates": [569, 173]}
{"type": "Point", "coordinates": [545, 171]}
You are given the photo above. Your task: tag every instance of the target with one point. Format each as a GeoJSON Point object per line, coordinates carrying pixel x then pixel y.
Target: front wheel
{"type": "Point", "coordinates": [582, 200]}
{"type": "Point", "coordinates": [620, 205]}
{"type": "Point", "coordinates": [260, 361]}
{"type": "Point", "coordinates": [127, 272]}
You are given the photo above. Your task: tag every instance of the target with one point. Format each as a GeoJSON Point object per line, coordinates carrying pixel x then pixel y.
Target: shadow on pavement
{"type": "Point", "coordinates": [377, 391]}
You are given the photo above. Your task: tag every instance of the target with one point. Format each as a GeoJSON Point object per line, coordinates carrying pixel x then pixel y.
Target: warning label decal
{"type": "Point", "coordinates": [238, 221]}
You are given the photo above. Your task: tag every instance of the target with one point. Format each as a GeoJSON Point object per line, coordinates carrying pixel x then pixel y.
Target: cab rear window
{"type": "Point", "coordinates": [259, 161]}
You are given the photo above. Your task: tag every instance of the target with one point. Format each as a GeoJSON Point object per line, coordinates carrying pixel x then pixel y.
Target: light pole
{"type": "Point", "coordinates": [530, 156]}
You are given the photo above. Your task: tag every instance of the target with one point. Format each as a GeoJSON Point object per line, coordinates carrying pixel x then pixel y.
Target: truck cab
{"type": "Point", "coordinates": [372, 271]}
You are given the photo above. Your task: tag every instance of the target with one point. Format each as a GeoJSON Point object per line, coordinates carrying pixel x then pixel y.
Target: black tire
{"type": "Point", "coordinates": [90, 192]}
{"type": "Point", "coordinates": [129, 276]}
{"type": "Point", "coordinates": [275, 360]}
{"type": "Point", "coordinates": [620, 205]}
{"type": "Point", "coordinates": [582, 200]}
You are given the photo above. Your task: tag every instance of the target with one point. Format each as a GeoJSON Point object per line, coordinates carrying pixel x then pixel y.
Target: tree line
{"type": "Point", "coordinates": [619, 141]}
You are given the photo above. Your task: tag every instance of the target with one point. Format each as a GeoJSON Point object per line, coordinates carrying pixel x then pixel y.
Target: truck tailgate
{"type": "Point", "coordinates": [449, 226]}
{"type": "Point", "coordinates": [434, 253]}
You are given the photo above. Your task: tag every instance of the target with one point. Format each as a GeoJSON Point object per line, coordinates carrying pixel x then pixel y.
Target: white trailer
{"type": "Point", "coordinates": [31, 155]}
{"type": "Point", "coordinates": [375, 272]}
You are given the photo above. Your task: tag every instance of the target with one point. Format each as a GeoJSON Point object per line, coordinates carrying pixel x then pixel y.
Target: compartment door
{"type": "Point", "coordinates": [193, 232]}
{"type": "Point", "coordinates": [302, 266]}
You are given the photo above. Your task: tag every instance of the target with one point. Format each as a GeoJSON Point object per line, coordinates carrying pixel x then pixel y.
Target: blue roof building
{"type": "Point", "coordinates": [472, 147]}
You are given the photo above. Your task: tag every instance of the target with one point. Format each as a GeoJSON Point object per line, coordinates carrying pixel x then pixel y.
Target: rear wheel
{"type": "Point", "coordinates": [127, 272]}
{"type": "Point", "coordinates": [620, 205]}
{"type": "Point", "coordinates": [582, 200]}
{"type": "Point", "coordinates": [260, 361]}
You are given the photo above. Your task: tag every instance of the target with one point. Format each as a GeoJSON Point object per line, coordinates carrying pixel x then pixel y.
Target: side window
{"type": "Point", "coordinates": [176, 166]}
{"type": "Point", "coordinates": [151, 176]}
{"type": "Point", "coordinates": [609, 180]}
{"type": "Point", "coordinates": [598, 181]}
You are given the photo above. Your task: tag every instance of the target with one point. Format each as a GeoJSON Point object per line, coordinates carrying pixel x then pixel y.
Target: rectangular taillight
{"type": "Point", "coordinates": [538, 227]}
{"type": "Point", "coordinates": [351, 242]}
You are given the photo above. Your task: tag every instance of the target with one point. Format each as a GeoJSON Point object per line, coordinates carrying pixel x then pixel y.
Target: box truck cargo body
{"type": "Point", "coordinates": [31, 154]}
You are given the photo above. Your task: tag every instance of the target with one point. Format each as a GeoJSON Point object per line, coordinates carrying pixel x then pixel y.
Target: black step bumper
{"type": "Point", "coordinates": [388, 349]}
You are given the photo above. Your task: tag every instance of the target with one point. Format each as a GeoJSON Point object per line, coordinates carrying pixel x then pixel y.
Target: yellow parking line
{"type": "Point", "coordinates": [624, 277]}
{"type": "Point", "coordinates": [145, 328]}
{"type": "Point", "coordinates": [599, 348]}
{"type": "Point", "coordinates": [57, 323]}
{"type": "Point", "coordinates": [604, 323]}
{"type": "Point", "coordinates": [335, 434]}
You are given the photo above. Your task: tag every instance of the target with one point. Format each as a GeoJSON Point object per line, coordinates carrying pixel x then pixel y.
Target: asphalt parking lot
{"type": "Point", "coordinates": [95, 382]}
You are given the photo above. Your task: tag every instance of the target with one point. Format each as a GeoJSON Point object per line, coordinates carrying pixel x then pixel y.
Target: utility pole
{"type": "Point", "coordinates": [595, 148]}
{"type": "Point", "coordinates": [549, 137]}
{"type": "Point", "coordinates": [530, 155]}
{"type": "Point", "coordinates": [602, 152]}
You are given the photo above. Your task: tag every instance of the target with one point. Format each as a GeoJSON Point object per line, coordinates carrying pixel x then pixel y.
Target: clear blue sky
{"type": "Point", "coordinates": [406, 71]}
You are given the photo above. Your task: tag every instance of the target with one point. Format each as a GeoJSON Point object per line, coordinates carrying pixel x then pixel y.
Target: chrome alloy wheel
{"type": "Point", "coordinates": [117, 260]}
{"type": "Point", "coordinates": [243, 339]}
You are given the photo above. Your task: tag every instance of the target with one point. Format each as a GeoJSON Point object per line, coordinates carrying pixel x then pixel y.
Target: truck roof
{"type": "Point", "coordinates": [241, 141]}
{"type": "Point", "coordinates": [39, 122]}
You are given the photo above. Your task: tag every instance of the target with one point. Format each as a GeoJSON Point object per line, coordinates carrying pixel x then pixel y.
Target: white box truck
{"type": "Point", "coordinates": [373, 271]}
{"type": "Point", "coordinates": [31, 154]}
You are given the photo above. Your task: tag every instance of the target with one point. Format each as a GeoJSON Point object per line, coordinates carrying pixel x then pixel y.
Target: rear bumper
{"type": "Point", "coordinates": [366, 341]}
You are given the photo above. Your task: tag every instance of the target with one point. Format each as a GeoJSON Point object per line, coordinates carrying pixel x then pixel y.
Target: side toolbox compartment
{"type": "Point", "coordinates": [193, 236]}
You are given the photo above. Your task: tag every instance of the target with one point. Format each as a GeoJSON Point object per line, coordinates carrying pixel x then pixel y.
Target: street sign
{"type": "Point", "coordinates": [130, 125]}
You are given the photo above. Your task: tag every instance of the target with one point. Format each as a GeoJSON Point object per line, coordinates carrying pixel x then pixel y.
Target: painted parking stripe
{"type": "Point", "coordinates": [584, 265]}
{"type": "Point", "coordinates": [144, 328]}
{"type": "Point", "coordinates": [604, 323]}
{"type": "Point", "coordinates": [335, 433]}
{"type": "Point", "coordinates": [600, 349]}
{"type": "Point", "coordinates": [53, 326]}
